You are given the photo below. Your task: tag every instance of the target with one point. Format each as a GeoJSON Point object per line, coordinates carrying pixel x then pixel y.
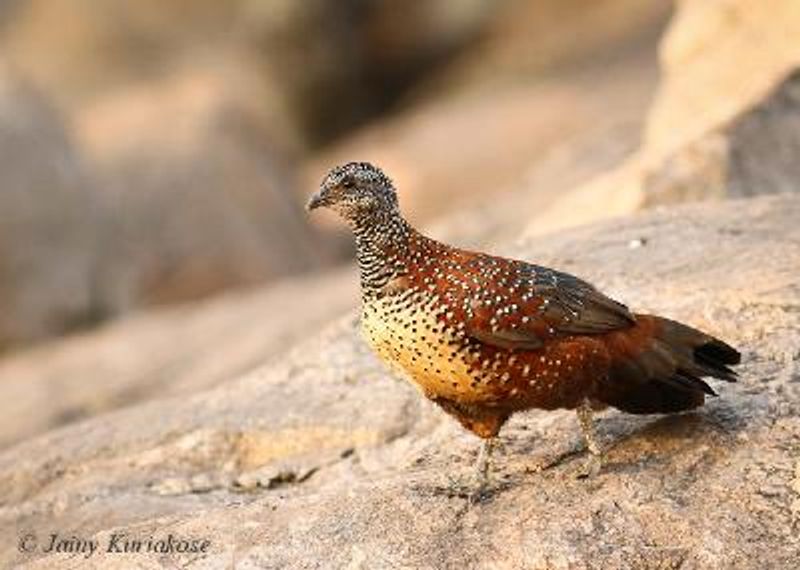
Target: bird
{"type": "Point", "coordinates": [485, 337]}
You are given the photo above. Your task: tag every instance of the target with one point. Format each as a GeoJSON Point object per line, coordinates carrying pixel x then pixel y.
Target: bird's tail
{"type": "Point", "coordinates": [658, 366]}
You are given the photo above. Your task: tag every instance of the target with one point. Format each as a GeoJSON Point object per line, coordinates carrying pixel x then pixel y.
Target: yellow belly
{"type": "Point", "coordinates": [413, 343]}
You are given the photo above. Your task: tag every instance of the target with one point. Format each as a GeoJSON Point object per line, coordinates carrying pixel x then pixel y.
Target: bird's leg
{"type": "Point", "coordinates": [476, 486]}
{"type": "Point", "coordinates": [595, 460]}
{"type": "Point", "coordinates": [482, 466]}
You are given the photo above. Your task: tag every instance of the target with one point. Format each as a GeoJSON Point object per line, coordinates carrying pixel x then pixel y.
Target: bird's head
{"type": "Point", "coordinates": [356, 190]}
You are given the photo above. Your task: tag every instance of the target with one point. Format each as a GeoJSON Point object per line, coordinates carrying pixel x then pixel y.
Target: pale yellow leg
{"type": "Point", "coordinates": [594, 462]}
{"type": "Point", "coordinates": [482, 467]}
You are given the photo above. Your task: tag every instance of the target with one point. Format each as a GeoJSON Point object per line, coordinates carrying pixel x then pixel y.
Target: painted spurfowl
{"type": "Point", "coordinates": [484, 337]}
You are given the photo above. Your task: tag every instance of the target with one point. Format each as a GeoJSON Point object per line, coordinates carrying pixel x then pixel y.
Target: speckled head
{"type": "Point", "coordinates": [356, 190]}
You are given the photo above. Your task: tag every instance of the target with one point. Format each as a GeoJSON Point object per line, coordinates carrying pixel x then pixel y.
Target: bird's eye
{"type": "Point", "coordinates": [347, 184]}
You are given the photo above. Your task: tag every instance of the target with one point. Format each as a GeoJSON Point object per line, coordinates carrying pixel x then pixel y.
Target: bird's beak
{"type": "Point", "coordinates": [318, 200]}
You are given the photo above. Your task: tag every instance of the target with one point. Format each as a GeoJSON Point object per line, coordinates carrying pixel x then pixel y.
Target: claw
{"type": "Point", "coordinates": [590, 467]}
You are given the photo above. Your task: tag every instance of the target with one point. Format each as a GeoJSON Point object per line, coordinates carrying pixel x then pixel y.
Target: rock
{"type": "Point", "coordinates": [755, 153]}
{"type": "Point", "coordinates": [162, 352]}
{"type": "Point", "coordinates": [529, 38]}
{"type": "Point", "coordinates": [321, 459]}
{"type": "Point", "coordinates": [120, 212]}
{"type": "Point", "coordinates": [725, 119]}
{"type": "Point", "coordinates": [721, 123]}
{"type": "Point", "coordinates": [48, 248]}
{"type": "Point", "coordinates": [719, 58]}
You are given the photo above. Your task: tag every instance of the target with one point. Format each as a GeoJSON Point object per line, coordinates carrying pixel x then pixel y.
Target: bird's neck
{"type": "Point", "coordinates": [382, 246]}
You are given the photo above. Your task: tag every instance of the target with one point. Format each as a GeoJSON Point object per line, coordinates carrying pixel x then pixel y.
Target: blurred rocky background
{"type": "Point", "coordinates": [162, 289]}
{"type": "Point", "coordinates": [158, 152]}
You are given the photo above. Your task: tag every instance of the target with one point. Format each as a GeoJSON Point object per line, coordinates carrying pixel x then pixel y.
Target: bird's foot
{"type": "Point", "coordinates": [590, 467]}
{"type": "Point", "coordinates": [475, 491]}
{"type": "Point", "coordinates": [480, 490]}
{"type": "Point", "coordinates": [594, 462]}
{"type": "Point", "coordinates": [458, 486]}
{"type": "Point", "coordinates": [476, 487]}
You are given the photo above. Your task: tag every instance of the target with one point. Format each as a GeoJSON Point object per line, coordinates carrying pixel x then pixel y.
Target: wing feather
{"type": "Point", "coordinates": [542, 303]}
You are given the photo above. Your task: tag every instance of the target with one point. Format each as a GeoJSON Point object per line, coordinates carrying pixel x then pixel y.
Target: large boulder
{"type": "Point", "coordinates": [726, 118]}
{"type": "Point", "coordinates": [723, 121]}
{"type": "Point", "coordinates": [164, 192]}
{"type": "Point", "coordinates": [323, 460]}
{"type": "Point", "coordinates": [719, 58]}
{"type": "Point", "coordinates": [48, 248]}
{"type": "Point", "coordinates": [754, 153]}
{"type": "Point", "coordinates": [525, 39]}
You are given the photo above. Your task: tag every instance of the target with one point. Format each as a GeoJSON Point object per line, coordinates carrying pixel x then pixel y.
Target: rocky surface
{"type": "Point", "coordinates": [725, 119]}
{"type": "Point", "coordinates": [322, 460]}
{"type": "Point", "coordinates": [107, 209]}
{"type": "Point", "coordinates": [163, 352]}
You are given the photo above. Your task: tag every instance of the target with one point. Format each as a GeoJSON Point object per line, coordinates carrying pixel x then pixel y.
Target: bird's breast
{"type": "Point", "coordinates": [408, 333]}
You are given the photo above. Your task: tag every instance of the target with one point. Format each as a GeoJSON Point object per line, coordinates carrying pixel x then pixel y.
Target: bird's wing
{"type": "Point", "coordinates": [540, 303]}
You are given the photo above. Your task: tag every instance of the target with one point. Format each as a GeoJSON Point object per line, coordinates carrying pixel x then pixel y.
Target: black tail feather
{"type": "Point", "coordinates": [717, 351]}
{"type": "Point", "coordinates": [716, 357]}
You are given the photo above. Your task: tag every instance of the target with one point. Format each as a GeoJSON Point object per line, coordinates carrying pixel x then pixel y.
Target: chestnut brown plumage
{"type": "Point", "coordinates": [484, 336]}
